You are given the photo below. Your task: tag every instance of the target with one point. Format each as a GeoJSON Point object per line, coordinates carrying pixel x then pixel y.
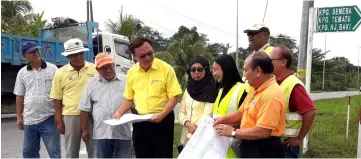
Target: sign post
{"type": "Point", "coordinates": [338, 19]}
{"type": "Point", "coordinates": [311, 29]}
{"type": "Point", "coordinates": [348, 115]}
{"type": "Point", "coordinates": [359, 137]}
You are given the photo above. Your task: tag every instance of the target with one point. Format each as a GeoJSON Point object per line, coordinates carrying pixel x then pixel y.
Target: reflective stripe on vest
{"type": "Point", "coordinates": [289, 132]}
{"type": "Point", "coordinates": [293, 119]}
{"type": "Point", "coordinates": [228, 105]}
{"type": "Point", "coordinates": [231, 107]}
{"type": "Point", "coordinates": [293, 116]}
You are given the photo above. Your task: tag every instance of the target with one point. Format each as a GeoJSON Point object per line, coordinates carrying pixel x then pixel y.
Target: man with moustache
{"type": "Point", "coordinates": [300, 111]}
{"type": "Point", "coordinates": [102, 97]}
{"type": "Point", "coordinates": [258, 37]}
{"type": "Point", "coordinates": [153, 87]}
{"type": "Point", "coordinates": [68, 85]}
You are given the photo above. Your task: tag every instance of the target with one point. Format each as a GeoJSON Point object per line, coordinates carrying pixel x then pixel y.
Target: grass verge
{"type": "Point", "coordinates": [328, 136]}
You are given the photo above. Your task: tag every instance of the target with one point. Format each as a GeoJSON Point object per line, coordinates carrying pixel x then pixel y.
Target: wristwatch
{"type": "Point", "coordinates": [234, 132]}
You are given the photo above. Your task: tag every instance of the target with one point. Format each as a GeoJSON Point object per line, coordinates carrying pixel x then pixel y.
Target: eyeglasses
{"type": "Point", "coordinates": [32, 52]}
{"type": "Point", "coordinates": [197, 69]}
{"type": "Point", "coordinates": [252, 33]}
{"type": "Point", "coordinates": [149, 54]}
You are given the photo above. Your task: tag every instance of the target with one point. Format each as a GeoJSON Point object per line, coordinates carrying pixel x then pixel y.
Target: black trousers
{"type": "Point", "coordinates": [265, 148]}
{"type": "Point", "coordinates": [154, 140]}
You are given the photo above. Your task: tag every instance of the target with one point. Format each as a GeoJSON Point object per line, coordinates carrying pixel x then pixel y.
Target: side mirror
{"type": "Point", "coordinates": [107, 49]}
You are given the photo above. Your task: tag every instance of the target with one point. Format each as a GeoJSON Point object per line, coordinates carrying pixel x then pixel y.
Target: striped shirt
{"type": "Point", "coordinates": [103, 98]}
{"type": "Point", "coordinates": [35, 86]}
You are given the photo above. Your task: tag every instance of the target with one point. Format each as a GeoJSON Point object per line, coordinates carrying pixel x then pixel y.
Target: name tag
{"type": "Point", "coordinates": [156, 81]}
{"type": "Point", "coordinates": [90, 75]}
{"type": "Point", "coordinates": [252, 104]}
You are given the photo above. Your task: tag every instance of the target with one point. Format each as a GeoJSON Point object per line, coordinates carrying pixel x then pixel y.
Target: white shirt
{"type": "Point", "coordinates": [35, 86]}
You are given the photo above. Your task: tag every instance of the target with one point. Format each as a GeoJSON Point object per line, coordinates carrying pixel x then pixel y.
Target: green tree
{"type": "Point", "coordinates": [218, 48]}
{"type": "Point", "coordinates": [159, 42]}
{"type": "Point", "coordinates": [15, 17]}
{"type": "Point", "coordinates": [36, 23]}
{"type": "Point", "coordinates": [126, 25]}
{"type": "Point", "coordinates": [285, 40]}
{"type": "Point", "coordinates": [195, 36]}
{"type": "Point", "coordinates": [180, 51]}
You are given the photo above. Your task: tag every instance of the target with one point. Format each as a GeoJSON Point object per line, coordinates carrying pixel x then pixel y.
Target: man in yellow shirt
{"type": "Point", "coordinates": [262, 114]}
{"type": "Point", "coordinates": [153, 87]}
{"type": "Point", "coordinates": [68, 85]}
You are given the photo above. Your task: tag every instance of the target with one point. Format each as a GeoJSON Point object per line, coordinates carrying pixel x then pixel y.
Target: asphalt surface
{"type": "Point", "coordinates": [12, 141]}
{"type": "Point", "coordinates": [12, 137]}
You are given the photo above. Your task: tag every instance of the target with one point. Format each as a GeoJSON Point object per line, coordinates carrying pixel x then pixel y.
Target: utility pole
{"type": "Point", "coordinates": [89, 10]}
{"type": "Point", "coordinates": [324, 67]}
{"type": "Point", "coordinates": [358, 69]}
{"type": "Point", "coordinates": [265, 10]}
{"type": "Point", "coordinates": [302, 56]}
{"type": "Point", "coordinates": [237, 62]}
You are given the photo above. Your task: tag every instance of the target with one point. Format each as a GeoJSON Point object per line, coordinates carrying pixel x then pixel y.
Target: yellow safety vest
{"type": "Point", "coordinates": [268, 50]}
{"type": "Point", "coordinates": [228, 105]}
{"type": "Point", "coordinates": [293, 119]}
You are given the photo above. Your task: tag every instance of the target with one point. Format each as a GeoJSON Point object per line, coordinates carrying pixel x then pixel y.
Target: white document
{"type": "Point", "coordinates": [129, 118]}
{"type": "Point", "coordinates": [205, 143]}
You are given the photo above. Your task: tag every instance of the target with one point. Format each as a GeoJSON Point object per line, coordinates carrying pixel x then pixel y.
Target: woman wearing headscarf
{"type": "Point", "coordinates": [232, 90]}
{"type": "Point", "coordinates": [198, 98]}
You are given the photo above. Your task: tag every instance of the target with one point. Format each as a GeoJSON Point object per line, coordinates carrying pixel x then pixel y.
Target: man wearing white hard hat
{"type": "Point", "coordinates": [258, 37]}
{"type": "Point", "coordinates": [68, 85]}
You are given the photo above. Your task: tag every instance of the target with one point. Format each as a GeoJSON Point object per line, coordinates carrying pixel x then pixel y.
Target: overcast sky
{"type": "Point", "coordinates": [216, 18]}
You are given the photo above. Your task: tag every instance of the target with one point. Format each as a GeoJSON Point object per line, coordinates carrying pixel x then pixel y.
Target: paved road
{"type": "Point", "coordinates": [12, 141]}
{"type": "Point", "coordinates": [329, 95]}
{"type": "Point", "coordinates": [12, 138]}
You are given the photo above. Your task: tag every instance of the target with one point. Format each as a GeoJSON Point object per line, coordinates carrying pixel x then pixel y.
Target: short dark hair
{"type": "Point", "coordinates": [137, 42]}
{"type": "Point", "coordinates": [266, 30]}
{"type": "Point", "coordinates": [262, 60]}
{"type": "Point", "coordinates": [286, 53]}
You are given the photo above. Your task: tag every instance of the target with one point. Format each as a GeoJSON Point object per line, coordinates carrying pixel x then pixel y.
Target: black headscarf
{"type": "Point", "coordinates": [230, 73]}
{"type": "Point", "coordinates": [204, 90]}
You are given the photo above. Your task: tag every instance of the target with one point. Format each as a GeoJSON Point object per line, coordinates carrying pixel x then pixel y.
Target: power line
{"type": "Point", "coordinates": [265, 11]}
{"type": "Point", "coordinates": [169, 30]}
{"type": "Point", "coordinates": [197, 20]}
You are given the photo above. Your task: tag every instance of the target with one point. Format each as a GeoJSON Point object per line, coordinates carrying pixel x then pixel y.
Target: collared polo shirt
{"type": "Point", "coordinates": [35, 86]}
{"type": "Point", "coordinates": [265, 107]}
{"type": "Point", "coordinates": [299, 100]}
{"type": "Point", "coordinates": [151, 90]}
{"type": "Point", "coordinates": [102, 99]}
{"type": "Point", "coordinates": [68, 86]}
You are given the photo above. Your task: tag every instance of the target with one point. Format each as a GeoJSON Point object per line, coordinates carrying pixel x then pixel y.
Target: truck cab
{"type": "Point", "coordinates": [117, 46]}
